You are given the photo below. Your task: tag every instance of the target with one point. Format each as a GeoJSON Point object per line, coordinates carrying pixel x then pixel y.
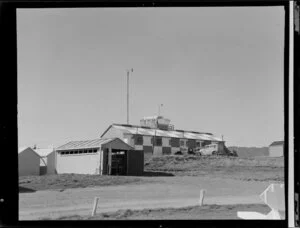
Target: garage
{"type": "Point", "coordinates": [101, 156]}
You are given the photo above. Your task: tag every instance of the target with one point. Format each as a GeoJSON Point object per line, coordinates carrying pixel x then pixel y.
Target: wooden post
{"type": "Point", "coordinates": [95, 206]}
{"type": "Point", "coordinates": [109, 160]}
{"type": "Point", "coordinates": [202, 192]}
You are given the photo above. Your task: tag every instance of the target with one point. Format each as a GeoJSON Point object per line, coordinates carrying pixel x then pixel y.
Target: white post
{"type": "Point", "coordinates": [202, 192]}
{"type": "Point", "coordinates": [95, 206]}
{"type": "Point", "coordinates": [291, 187]}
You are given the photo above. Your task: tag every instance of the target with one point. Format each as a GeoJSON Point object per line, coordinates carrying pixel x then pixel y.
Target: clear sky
{"type": "Point", "coordinates": [217, 70]}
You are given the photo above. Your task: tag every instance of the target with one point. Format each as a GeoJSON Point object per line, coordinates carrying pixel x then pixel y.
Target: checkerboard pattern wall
{"type": "Point", "coordinates": [161, 145]}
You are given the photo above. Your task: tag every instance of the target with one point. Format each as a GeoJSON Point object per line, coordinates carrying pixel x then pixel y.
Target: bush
{"type": "Point", "coordinates": [191, 152]}
{"type": "Point", "coordinates": [178, 153]}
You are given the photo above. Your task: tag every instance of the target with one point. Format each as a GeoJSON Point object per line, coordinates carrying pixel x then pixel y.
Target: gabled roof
{"type": "Point", "coordinates": [277, 143]}
{"type": "Point", "coordinates": [21, 149]}
{"type": "Point", "coordinates": [134, 129]}
{"type": "Point", "coordinates": [88, 144]}
{"type": "Point", "coordinates": [44, 152]}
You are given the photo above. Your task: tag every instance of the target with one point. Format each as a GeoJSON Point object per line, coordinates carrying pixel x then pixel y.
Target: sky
{"type": "Point", "coordinates": [217, 70]}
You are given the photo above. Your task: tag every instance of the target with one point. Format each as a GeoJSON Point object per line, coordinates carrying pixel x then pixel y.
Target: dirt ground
{"type": "Point", "coordinates": [168, 182]}
{"type": "Point", "coordinates": [188, 213]}
{"type": "Point", "coordinates": [167, 192]}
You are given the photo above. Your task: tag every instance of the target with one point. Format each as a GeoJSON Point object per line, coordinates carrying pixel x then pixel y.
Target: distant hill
{"type": "Point", "coordinates": [249, 152]}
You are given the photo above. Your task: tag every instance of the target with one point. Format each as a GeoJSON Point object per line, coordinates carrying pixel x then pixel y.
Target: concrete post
{"type": "Point", "coordinates": [95, 206]}
{"type": "Point", "coordinates": [202, 193]}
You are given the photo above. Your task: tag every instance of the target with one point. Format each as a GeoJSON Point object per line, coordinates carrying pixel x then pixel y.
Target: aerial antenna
{"type": "Point", "coordinates": [160, 105]}
{"type": "Point", "coordinates": [128, 71]}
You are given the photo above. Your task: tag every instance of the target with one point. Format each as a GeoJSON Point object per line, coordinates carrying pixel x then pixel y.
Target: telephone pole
{"type": "Point", "coordinates": [128, 71]}
{"type": "Point", "coordinates": [160, 105]}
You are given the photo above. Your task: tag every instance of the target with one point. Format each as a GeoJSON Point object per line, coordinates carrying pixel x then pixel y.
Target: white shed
{"type": "Point", "coordinates": [276, 149]}
{"type": "Point", "coordinates": [47, 162]}
{"type": "Point", "coordinates": [29, 162]}
{"type": "Point", "coordinates": [100, 156]}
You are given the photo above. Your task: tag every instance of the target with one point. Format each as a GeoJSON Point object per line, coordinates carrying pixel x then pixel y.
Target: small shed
{"type": "Point", "coordinates": [110, 156]}
{"type": "Point", "coordinates": [28, 162]}
{"type": "Point", "coordinates": [276, 149]}
{"type": "Point", "coordinates": [47, 162]}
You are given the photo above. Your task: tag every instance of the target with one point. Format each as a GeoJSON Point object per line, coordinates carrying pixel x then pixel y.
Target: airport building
{"type": "Point", "coordinates": [156, 136]}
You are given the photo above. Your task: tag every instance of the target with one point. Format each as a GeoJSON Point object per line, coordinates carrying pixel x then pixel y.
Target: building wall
{"type": "Point", "coordinates": [135, 163]}
{"type": "Point", "coordinates": [117, 144]}
{"type": "Point", "coordinates": [103, 161]}
{"type": "Point", "coordinates": [276, 151]}
{"type": "Point", "coordinates": [174, 150]}
{"type": "Point", "coordinates": [78, 163]}
{"type": "Point", "coordinates": [166, 142]}
{"type": "Point", "coordinates": [29, 163]}
{"type": "Point", "coordinates": [128, 138]}
{"type": "Point", "coordinates": [51, 168]}
{"type": "Point", "coordinates": [147, 140]}
{"type": "Point", "coordinates": [157, 151]}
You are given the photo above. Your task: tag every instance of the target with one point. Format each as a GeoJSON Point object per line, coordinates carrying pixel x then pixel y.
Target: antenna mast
{"type": "Point", "coordinates": [128, 71]}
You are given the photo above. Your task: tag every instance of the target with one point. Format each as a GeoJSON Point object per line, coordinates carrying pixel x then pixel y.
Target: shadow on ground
{"type": "Point", "coordinates": [157, 174]}
{"type": "Point", "coordinates": [25, 190]}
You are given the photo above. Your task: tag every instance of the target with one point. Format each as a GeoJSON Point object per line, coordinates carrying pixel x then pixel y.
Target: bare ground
{"type": "Point", "coordinates": [166, 192]}
{"type": "Point", "coordinates": [169, 181]}
{"type": "Point", "coordinates": [195, 212]}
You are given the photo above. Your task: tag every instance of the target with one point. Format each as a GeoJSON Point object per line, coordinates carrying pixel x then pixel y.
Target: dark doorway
{"type": "Point", "coordinates": [118, 162]}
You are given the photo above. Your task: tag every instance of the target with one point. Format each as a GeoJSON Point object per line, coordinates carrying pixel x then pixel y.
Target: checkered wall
{"type": "Point", "coordinates": [166, 147]}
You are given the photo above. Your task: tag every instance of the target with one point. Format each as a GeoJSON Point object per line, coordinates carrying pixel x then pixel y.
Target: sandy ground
{"type": "Point", "coordinates": [168, 192]}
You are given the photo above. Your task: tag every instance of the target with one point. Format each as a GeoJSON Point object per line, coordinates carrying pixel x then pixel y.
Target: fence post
{"type": "Point", "coordinates": [95, 206]}
{"type": "Point", "coordinates": [202, 192]}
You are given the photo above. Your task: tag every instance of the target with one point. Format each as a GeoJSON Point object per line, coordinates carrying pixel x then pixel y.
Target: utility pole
{"type": "Point", "coordinates": [160, 105]}
{"type": "Point", "coordinates": [128, 94]}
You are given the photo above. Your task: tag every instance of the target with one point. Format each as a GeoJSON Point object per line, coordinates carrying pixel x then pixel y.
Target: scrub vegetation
{"type": "Point", "coordinates": [249, 169]}
{"type": "Point", "coordinates": [246, 169]}
{"type": "Point", "coordinates": [64, 181]}
{"type": "Point", "coordinates": [194, 212]}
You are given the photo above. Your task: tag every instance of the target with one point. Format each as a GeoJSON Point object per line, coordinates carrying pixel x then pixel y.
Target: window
{"type": "Point", "coordinates": [72, 152]}
{"type": "Point", "coordinates": [90, 151]}
{"type": "Point", "coordinates": [175, 142]}
{"type": "Point", "coordinates": [62, 153]}
{"type": "Point", "coordinates": [138, 140]}
{"type": "Point", "coordinates": [76, 152]}
{"type": "Point", "coordinates": [67, 152]}
{"type": "Point", "coordinates": [191, 143]}
{"type": "Point", "coordinates": [198, 144]}
{"type": "Point", "coordinates": [158, 141]}
{"type": "Point", "coordinates": [181, 143]}
{"type": "Point", "coordinates": [85, 151]}
{"type": "Point", "coordinates": [95, 150]}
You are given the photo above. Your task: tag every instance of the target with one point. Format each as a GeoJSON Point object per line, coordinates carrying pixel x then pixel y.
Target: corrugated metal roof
{"type": "Point", "coordinates": [276, 143]}
{"type": "Point", "coordinates": [87, 144]}
{"type": "Point", "coordinates": [131, 129]}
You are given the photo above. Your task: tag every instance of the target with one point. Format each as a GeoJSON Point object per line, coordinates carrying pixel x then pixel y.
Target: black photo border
{"type": "Point", "coordinates": [9, 190]}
